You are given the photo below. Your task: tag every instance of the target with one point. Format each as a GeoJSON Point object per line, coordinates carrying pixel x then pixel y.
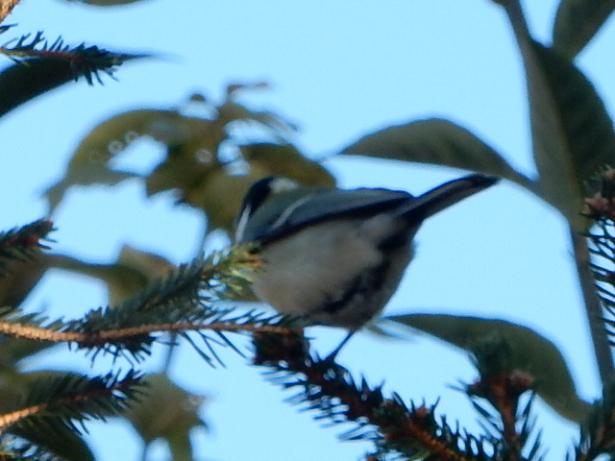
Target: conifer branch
{"type": "Point", "coordinates": [597, 434]}
{"type": "Point", "coordinates": [183, 302]}
{"type": "Point", "coordinates": [509, 424]}
{"type": "Point", "coordinates": [83, 60]}
{"type": "Point", "coordinates": [37, 333]}
{"type": "Point", "coordinates": [601, 209]}
{"type": "Point", "coordinates": [329, 389]}
{"type": "Point", "coordinates": [23, 242]}
{"type": "Point", "coordinates": [71, 399]}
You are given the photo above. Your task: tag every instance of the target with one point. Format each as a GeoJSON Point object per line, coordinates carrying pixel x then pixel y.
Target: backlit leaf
{"type": "Point", "coordinates": [530, 352]}
{"type": "Point", "coordinates": [169, 412]}
{"type": "Point", "coordinates": [438, 142]}
{"type": "Point", "coordinates": [576, 23]}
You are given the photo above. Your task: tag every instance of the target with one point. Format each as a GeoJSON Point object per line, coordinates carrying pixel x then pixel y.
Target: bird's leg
{"type": "Point", "coordinates": [333, 354]}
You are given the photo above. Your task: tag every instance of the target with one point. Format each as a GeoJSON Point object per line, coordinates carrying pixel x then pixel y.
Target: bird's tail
{"type": "Point", "coordinates": [447, 194]}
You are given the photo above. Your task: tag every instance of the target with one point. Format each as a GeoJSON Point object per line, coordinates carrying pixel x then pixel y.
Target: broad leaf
{"type": "Point", "coordinates": [576, 23]}
{"type": "Point", "coordinates": [90, 163]}
{"type": "Point", "coordinates": [286, 160]}
{"type": "Point", "coordinates": [131, 273]}
{"type": "Point", "coordinates": [13, 351]}
{"type": "Point", "coordinates": [530, 352]}
{"type": "Point", "coordinates": [220, 195]}
{"type": "Point", "coordinates": [232, 111]}
{"type": "Point", "coordinates": [197, 167]}
{"type": "Point", "coordinates": [167, 411]}
{"type": "Point", "coordinates": [439, 142]}
{"type": "Point", "coordinates": [20, 279]}
{"type": "Point", "coordinates": [87, 175]}
{"type": "Point", "coordinates": [572, 132]}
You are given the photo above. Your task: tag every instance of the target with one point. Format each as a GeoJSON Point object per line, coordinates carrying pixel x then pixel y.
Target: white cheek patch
{"type": "Point", "coordinates": [242, 223]}
{"type": "Point", "coordinates": [283, 185]}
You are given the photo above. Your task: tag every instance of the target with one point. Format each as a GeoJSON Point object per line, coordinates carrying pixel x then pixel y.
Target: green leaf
{"type": "Point", "coordinates": [86, 175]}
{"type": "Point", "coordinates": [167, 411]}
{"type": "Point", "coordinates": [13, 351]}
{"type": "Point", "coordinates": [530, 352]}
{"type": "Point", "coordinates": [186, 138]}
{"type": "Point", "coordinates": [231, 111]}
{"type": "Point", "coordinates": [220, 195]}
{"type": "Point", "coordinates": [576, 23]}
{"type": "Point", "coordinates": [572, 132]}
{"type": "Point", "coordinates": [132, 272]}
{"type": "Point", "coordinates": [33, 77]}
{"type": "Point", "coordinates": [286, 160]}
{"type": "Point", "coordinates": [20, 278]}
{"type": "Point", "coordinates": [439, 142]}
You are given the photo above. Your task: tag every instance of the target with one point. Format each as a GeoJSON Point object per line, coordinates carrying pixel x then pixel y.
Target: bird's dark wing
{"type": "Point", "coordinates": [294, 211]}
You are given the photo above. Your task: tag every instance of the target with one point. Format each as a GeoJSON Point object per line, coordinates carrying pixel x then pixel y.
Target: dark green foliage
{"type": "Point", "coordinates": [601, 209]}
{"type": "Point", "coordinates": [58, 442]}
{"type": "Point", "coordinates": [597, 434]}
{"type": "Point", "coordinates": [572, 131]}
{"type": "Point", "coordinates": [577, 22]}
{"type": "Point", "coordinates": [527, 351]}
{"type": "Point", "coordinates": [186, 297]}
{"type": "Point", "coordinates": [169, 412]}
{"type": "Point", "coordinates": [70, 400]}
{"type": "Point", "coordinates": [500, 397]}
{"type": "Point", "coordinates": [41, 66]}
{"type": "Point", "coordinates": [44, 422]}
{"type": "Point", "coordinates": [23, 242]}
{"type": "Point", "coordinates": [439, 142]}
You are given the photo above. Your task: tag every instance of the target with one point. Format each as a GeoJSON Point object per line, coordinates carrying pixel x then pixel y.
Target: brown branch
{"type": "Point", "coordinates": [506, 404]}
{"type": "Point", "coordinates": [502, 391]}
{"type": "Point", "coordinates": [36, 333]}
{"type": "Point", "coordinates": [8, 419]}
{"type": "Point", "coordinates": [6, 6]}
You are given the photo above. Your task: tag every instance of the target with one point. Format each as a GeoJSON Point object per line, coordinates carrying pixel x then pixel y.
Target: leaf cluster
{"type": "Point", "coordinates": [217, 153]}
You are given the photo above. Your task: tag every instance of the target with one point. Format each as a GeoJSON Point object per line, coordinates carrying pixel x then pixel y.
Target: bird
{"type": "Point", "coordinates": [336, 256]}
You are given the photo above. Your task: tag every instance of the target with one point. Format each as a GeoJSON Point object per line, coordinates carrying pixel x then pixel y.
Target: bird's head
{"type": "Point", "coordinates": [257, 195]}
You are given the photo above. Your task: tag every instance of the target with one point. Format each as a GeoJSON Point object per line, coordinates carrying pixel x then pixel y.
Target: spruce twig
{"type": "Point", "coordinates": [407, 431]}
{"type": "Point", "coordinates": [184, 302]}
{"type": "Point", "coordinates": [23, 242]}
{"type": "Point", "coordinates": [73, 399]}
{"type": "Point", "coordinates": [87, 61]}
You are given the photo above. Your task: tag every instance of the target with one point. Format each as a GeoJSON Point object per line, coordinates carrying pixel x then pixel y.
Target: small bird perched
{"type": "Point", "coordinates": [336, 256]}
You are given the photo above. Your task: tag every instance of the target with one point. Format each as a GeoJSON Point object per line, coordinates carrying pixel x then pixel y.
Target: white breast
{"type": "Point", "coordinates": [316, 264]}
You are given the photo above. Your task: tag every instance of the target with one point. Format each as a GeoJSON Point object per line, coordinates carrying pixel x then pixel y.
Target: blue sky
{"type": "Point", "coordinates": [339, 69]}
